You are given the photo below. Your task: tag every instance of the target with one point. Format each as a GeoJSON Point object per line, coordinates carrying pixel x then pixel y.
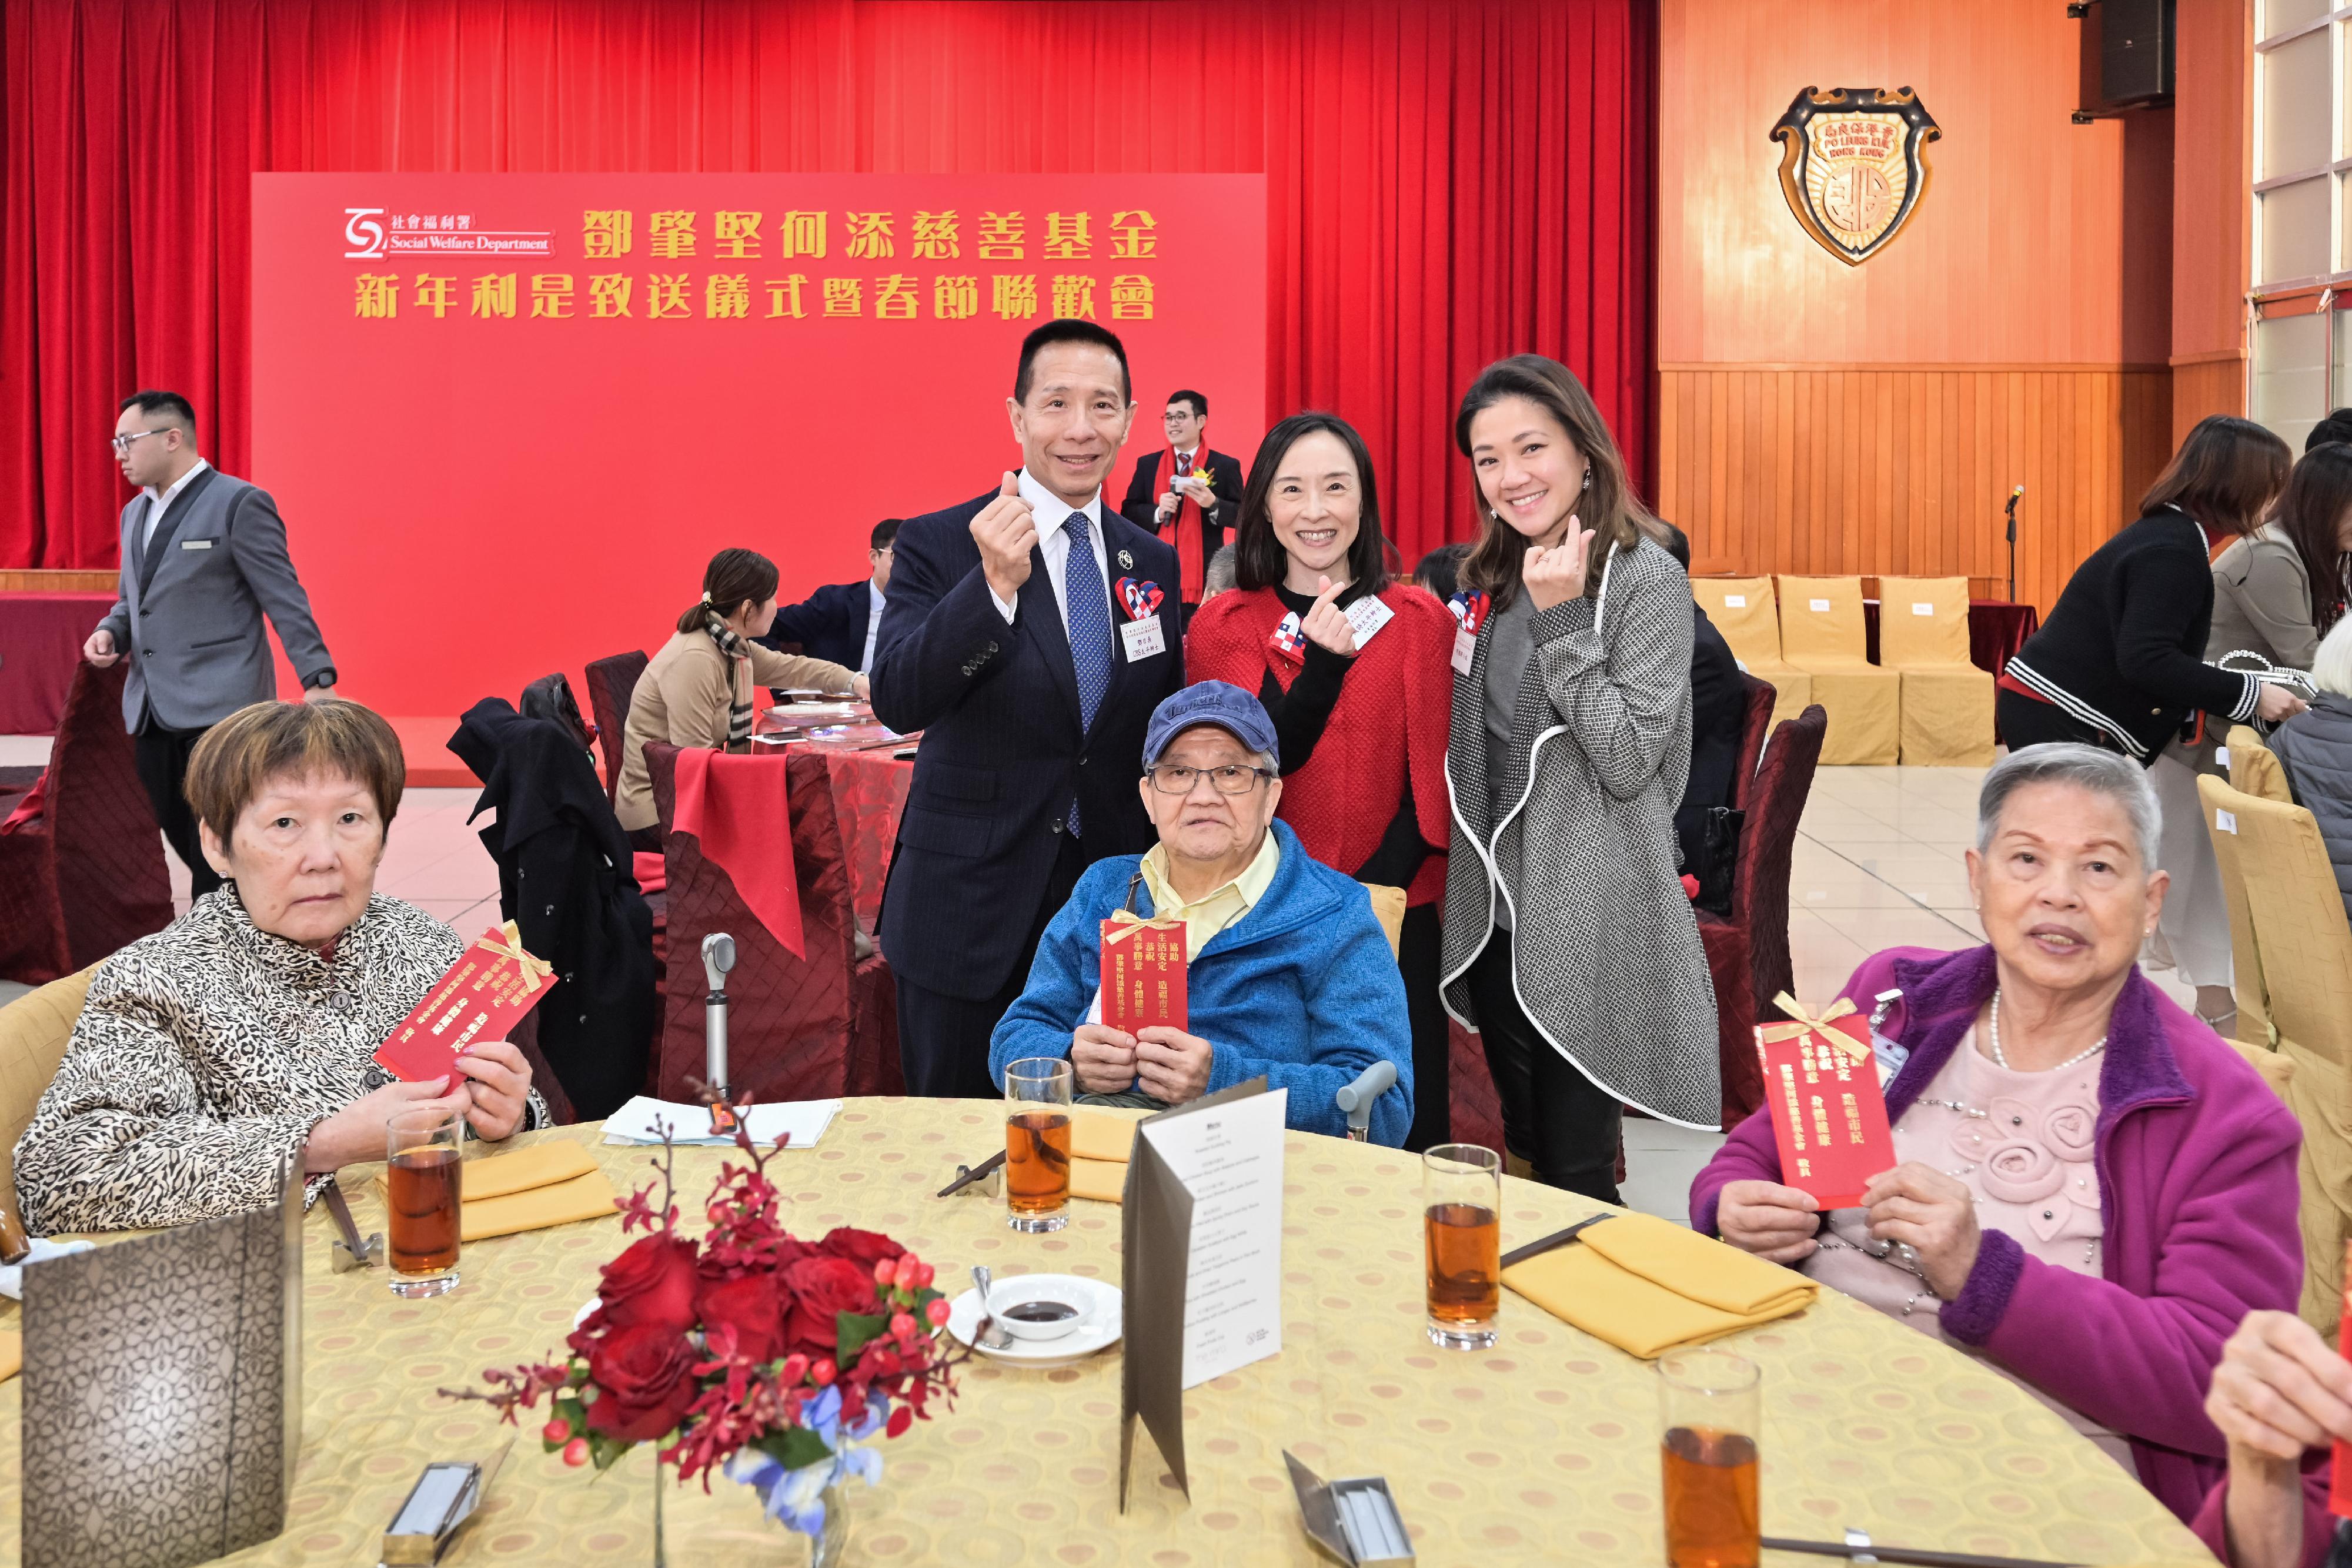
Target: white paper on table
{"type": "Point", "coordinates": [636, 1123]}
{"type": "Point", "coordinates": [1230, 1159]}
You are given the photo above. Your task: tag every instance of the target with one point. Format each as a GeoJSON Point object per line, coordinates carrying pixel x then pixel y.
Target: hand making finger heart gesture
{"type": "Point", "coordinates": [1325, 624]}
{"type": "Point", "coordinates": [1006, 531]}
{"type": "Point", "coordinates": [1555, 575]}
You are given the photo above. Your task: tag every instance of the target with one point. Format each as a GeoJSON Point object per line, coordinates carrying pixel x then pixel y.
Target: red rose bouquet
{"type": "Point", "coordinates": [751, 1351]}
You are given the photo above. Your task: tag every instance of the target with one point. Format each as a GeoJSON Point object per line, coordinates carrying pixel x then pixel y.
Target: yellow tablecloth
{"type": "Point", "coordinates": [1542, 1450]}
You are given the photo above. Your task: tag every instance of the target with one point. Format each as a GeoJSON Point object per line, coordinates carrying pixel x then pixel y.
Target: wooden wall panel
{"type": "Point", "coordinates": [30, 581]}
{"type": "Point", "coordinates": [1902, 470]}
{"type": "Point", "coordinates": [2211, 384]}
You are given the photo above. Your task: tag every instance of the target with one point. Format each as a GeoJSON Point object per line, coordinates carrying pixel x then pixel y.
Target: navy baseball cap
{"type": "Point", "coordinates": [1220, 702]}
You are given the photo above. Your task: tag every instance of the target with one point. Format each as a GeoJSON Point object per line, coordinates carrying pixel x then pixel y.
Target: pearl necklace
{"type": "Point", "coordinates": [2096, 1046]}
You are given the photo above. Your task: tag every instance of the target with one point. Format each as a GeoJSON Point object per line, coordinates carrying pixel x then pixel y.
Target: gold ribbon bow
{"type": "Point", "coordinates": [1132, 923]}
{"type": "Point", "coordinates": [533, 970]}
{"type": "Point", "coordinates": [1808, 1024]}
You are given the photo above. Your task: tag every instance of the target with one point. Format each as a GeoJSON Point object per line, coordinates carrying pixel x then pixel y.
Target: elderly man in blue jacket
{"type": "Point", "coordinates": [1288, 974]}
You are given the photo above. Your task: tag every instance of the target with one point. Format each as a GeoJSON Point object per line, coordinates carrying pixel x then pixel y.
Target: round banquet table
{"type": "Point", "coordinates": [1541, 1451]}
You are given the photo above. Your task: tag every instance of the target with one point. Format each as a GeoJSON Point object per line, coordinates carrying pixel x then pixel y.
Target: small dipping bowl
{"type": "Point", "coordinates": [1037, 1317]}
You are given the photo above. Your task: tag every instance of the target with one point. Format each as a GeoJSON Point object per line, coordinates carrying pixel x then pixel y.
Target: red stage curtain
{"type": "Point", "coordinates": [1448, 181]}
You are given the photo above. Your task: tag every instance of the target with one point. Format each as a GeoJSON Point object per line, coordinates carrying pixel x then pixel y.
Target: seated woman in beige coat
{"type": "Point", "coordinates": [698, 690]}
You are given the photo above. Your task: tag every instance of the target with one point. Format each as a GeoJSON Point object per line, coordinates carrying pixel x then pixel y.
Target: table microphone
{"type": "Point", "coordinates": [718, 958]}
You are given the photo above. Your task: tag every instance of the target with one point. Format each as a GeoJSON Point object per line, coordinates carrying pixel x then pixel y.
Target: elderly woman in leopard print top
{"type": "Point", "coordinates": [244, 1034]}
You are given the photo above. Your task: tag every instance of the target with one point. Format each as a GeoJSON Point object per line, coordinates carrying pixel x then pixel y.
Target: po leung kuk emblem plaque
{"type": "Point", "coordinates": [1854, 165]}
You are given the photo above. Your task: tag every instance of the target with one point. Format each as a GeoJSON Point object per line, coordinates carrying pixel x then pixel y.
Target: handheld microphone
{"type": "Point", "coordinates": [718, 958]}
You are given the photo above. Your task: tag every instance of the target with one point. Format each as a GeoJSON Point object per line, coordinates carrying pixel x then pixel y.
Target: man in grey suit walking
{"type": "Point", "coordinates": [203, 559]}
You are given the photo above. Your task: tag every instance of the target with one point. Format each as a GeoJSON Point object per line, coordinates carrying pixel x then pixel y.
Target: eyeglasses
{"type": "Point", "coordinates": [1233, 778]}
{"type": "Point", "coordinates": [122, 443]}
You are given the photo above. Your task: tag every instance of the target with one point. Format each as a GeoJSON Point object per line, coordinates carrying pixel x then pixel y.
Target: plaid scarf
{"type": "Point", "coordinates": [738, 654]}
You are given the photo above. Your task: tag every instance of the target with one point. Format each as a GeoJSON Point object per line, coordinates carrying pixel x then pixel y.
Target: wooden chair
{"type": "Point", "coordinates": [89, 877]}
{"type": "Point", "coordinates": [1748, 953]}
{"type": "Point", "coordinates": [35, 1030]}
{"type": "Point", "coordinates": [1947, 709]}
{"type": "Point", "coordinates": [1742, 609]}
{"type": "Point", "coordinates": [2305, 943]}
{"type": "Point", "coordinates": [1822, 633]}
{"type": "Point", "coordinates": [612, 682]}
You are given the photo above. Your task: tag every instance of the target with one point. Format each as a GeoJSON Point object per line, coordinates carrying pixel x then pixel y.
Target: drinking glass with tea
{"type": "Point", "coordinates": [424, 1161]}
{"type": "Point", "coordinates": [1037, 1094]}
{"type": "Point", "coordinates": [1462, 1232]}
{"type": "Point", "coordinates": [1709, 1412]}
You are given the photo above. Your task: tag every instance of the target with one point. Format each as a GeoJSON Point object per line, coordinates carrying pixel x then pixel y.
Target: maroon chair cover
{"type": "Point", "coordinates": [1760, 698]}
{"type": "Point", "coordinates": [1758, 929]}
{"type": "Point", "coordinates": [611, 682]}
{"type": "Point", "coordinates": [798, 1029]}
{"type": "Point", "coordinates": [89, 879]}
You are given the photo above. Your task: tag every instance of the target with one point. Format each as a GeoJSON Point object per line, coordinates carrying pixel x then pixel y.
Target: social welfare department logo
{"type": "Point", "coordinates": [362, 233]}
{"type": "Point", "coordinates": [1854, 165]}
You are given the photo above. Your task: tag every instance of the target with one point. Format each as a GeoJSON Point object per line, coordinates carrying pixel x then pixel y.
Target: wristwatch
{"type": "Point", "coordinates": [324, 679]}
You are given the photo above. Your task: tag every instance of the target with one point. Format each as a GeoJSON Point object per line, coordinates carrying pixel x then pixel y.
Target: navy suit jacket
{"type": "Point", "coordinates": [829, 624]}
{"type": "Point", "coordinates": [1003, 755]}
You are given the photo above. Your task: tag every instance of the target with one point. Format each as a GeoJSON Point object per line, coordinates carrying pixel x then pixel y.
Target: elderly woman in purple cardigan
{"type": "Point", "coordinates": [2092, 1188]}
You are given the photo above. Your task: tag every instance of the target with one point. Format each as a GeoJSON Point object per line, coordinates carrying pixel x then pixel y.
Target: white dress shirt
{"type": "Point", "coordinates": [157, 506]}
{"type": "Point", "coordinates": [1054, 541]}
{"type": "Point", "coordinates": [872, 625]}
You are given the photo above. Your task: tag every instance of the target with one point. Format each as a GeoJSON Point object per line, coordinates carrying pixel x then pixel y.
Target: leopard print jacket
{"type": "Point", "coordinates": [205, 1055]}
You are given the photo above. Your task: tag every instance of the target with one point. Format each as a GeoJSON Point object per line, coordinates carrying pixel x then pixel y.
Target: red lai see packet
{"type": "Point", "coordinates": [484, 995]}
{"type": "Point", "coordinates": [1827, 1114]}
{"type": "Point", "coordinates": [1142, 974]}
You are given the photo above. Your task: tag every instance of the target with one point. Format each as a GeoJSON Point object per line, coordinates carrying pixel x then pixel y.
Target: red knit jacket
{"type": "Point", "coordinates": [1391, 716]}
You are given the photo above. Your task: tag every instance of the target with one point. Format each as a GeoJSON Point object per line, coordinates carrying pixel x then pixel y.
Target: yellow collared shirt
{"type": "Point", "coordinates": [1207, 916]}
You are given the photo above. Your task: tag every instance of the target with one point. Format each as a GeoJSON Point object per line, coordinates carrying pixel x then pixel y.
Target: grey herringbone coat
{"type": "Point", "coordinates": [1606, 952]}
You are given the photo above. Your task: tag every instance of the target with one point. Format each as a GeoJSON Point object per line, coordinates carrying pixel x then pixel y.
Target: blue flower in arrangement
{"type": "Point", "coordinates": [795, 1497]}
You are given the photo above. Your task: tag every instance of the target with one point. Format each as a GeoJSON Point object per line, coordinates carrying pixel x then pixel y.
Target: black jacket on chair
{"type": "Point", "coordinates": [1719, 726]}
{"type": "Point", "coordinates": [1003, 755]}
{"type": "Point", "coordinates": [567, 881]}
{"type": "Point", "coordinates": [829, 624]}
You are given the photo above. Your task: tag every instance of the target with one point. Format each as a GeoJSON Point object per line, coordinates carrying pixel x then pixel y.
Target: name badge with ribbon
{"type": "Point", "coordinates": [1829, 1115]}
{"type": "Point", "coordinates": [1469, 613]}
{"type": "Point", "coordinates": [481, 996]}
{"type": "Point", "coordinates": [1141, 631]}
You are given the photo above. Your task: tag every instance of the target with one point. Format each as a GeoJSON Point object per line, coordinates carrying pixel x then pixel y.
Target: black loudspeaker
{"type": "Point", "coordinates": [2128, 55]}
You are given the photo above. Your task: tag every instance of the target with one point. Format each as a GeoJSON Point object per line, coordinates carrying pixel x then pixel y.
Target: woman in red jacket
{"type": "Point", "coordinates": [1354, 669]}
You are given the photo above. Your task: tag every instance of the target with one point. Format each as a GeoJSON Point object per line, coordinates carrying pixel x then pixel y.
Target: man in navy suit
{"type": "Point", "coordinates": [1188, 494]}
{"type": "Point", "coordinates": [1012, 639]}
{"type": "Point", "coordinates": [837, 623]}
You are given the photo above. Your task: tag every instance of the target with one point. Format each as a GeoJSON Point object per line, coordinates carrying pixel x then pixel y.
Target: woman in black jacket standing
{"type": "Point", "coordinates": [2121, 660]}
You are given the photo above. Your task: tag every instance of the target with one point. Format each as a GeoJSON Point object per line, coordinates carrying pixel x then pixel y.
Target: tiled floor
{"type": "Point", "coordinates": [1877, 864]}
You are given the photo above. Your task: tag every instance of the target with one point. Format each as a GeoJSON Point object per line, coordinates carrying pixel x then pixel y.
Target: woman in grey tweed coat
{"type": "Point", "coordinates": [1570, 943]}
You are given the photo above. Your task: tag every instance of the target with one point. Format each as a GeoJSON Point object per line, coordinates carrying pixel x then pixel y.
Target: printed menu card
{"type": "Point", "coordinates": [1202, 1256]}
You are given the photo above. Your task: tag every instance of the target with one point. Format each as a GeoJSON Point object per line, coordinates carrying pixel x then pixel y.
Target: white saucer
{"type": "Point", "coordinates": [1103, 1304]}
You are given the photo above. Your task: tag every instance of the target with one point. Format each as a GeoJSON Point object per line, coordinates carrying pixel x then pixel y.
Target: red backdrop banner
{"type": "Point", "coordinates": [1447, 181]}
{"type": "Point", "coordinates": [589, 382]}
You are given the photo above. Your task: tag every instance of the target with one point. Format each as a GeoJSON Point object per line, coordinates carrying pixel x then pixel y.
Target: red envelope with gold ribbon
{"type": "Point", "coordinates": [483, 996]}
{"type": "Point", "coordinates": [1142, 973]}
{"type": "Point", "coordinates": [1827, 1114]}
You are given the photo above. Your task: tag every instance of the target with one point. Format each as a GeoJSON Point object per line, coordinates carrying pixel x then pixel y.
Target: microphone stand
{"type": "Point", "coordinates": [2011, 509]}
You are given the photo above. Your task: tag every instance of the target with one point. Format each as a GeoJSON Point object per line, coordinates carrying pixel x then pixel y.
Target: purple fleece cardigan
{"type": "Point", "coordinates": [2197, 1184]}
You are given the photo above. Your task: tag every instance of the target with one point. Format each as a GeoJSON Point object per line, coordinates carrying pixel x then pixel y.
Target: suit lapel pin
{"type": "Point", "coordinates": [1126, 562]}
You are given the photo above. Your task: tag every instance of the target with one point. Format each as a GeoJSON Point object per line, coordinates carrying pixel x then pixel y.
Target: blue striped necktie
{"type": "Point", "coordinates": [1089, 612]}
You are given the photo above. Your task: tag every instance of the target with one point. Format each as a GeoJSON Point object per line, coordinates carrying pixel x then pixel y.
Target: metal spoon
{"type": "Point", "coordinates": [991, 1334]}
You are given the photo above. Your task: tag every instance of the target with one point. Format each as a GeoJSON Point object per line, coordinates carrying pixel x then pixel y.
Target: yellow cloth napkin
{"type": "Point", "coordinates": [1648, 1286]}
{"type": "Point", "coordinates": [12, 1354]}
{"type": "Point", "coordinates": [1105, 1180]}
{"type": "Point", "coordinates": [530, 1188]}
{"type": "Point", "coordinates": [1104, 1131]}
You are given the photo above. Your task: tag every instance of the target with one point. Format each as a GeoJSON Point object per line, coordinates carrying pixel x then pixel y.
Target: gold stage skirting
{"type": "Point", "coordinates": [1542, 1450]}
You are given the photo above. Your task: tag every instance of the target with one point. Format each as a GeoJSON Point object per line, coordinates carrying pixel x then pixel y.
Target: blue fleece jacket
{"type": "Point", "coordinates": [1302, 989]}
